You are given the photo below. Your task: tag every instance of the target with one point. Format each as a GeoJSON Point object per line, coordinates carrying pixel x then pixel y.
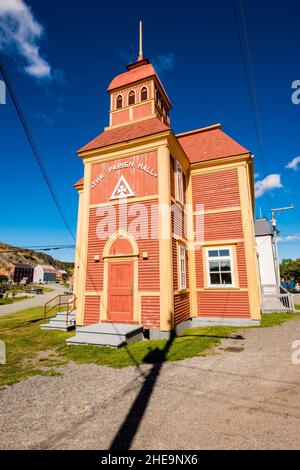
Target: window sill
{"type": "Point", "coordinates": [218, 288]}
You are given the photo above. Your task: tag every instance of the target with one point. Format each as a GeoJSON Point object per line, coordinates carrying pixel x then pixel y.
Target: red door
{"type": "Point", "coordinates": [120, 291]}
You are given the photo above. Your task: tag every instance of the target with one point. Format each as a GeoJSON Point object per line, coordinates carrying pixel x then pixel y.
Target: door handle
{"type": "Point", "coordinates": [131, 290]}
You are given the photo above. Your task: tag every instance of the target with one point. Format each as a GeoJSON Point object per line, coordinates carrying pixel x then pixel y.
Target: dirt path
{"type": "Point", "coordinates": [246, 397]}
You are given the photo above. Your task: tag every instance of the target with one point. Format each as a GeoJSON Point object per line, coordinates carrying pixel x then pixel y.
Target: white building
{"type": "Point", "coordinates": [266, 256]}
{"type": "Point", "coordinates": [43, 273]}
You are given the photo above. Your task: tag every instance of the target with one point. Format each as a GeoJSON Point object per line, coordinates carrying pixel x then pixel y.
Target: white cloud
{"type": "Point", "coordinates": [163, 62]}
{"type": "Point", "coordinates": [20, 33]}
{"type": "Point", "coordinates": [289, 238]}
{"type": "Point", "coordinates": [267, 184]}
{"type": "Point", "coordinates": [256, 175]}
{"type": "Point", "coordinates": [293, 164]}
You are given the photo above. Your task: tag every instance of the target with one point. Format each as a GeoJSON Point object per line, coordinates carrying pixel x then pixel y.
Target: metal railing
{"type": "Point", "coordinates": [277, 303]}
{"type": "Point", "coordinates": [62, 302]}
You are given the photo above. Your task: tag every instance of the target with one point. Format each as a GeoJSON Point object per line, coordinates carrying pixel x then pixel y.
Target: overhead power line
{"type": "Point", "coordinates": [34, 147]}
{"type": "Point", "coordinates": [240, 20]}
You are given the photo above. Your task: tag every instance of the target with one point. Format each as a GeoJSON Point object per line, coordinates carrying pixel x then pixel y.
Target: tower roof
{"type": "Point", "coordinates": [137, 71]}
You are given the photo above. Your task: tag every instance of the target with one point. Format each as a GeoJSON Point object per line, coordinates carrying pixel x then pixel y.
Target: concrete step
{"type": "Point", "coordinates": [55, 325]}
{"type": "Point", "coordinates": [224, 321]}
{"type": "Point", "coordinates": [59, 322]}
{"type": "Point", "coordinates": [107, 334]}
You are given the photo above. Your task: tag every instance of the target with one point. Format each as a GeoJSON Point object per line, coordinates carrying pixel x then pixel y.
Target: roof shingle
{"type": "Point", "coordinates": [209, 144]}
{"type": "Point", "coordinates": [125, 133]}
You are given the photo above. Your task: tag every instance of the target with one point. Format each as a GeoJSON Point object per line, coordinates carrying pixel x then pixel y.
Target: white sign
{"type": "Point", "coordinates": [122, 189]}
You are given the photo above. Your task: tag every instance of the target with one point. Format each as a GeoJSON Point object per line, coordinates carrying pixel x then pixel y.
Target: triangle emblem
{"type": "Point", "coordinates": [122, 189]}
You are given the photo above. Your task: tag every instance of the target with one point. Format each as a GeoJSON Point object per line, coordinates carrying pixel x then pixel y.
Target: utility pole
{"type": "Point", "coordinates": [275, 240]}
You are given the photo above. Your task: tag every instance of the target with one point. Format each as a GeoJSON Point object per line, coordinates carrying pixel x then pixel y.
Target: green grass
{"type": "Point", "coordinates": [31, 351]}
{"type": "Point", "coordinates": [26, 342]}
{"type": "Point", "coordinates": [275, 319]}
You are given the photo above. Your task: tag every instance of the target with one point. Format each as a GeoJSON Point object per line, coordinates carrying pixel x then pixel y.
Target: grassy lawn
{"type": "Point", "coordinates": [30, 351]}
{"type": "Point", "coordinates": [274, 319]}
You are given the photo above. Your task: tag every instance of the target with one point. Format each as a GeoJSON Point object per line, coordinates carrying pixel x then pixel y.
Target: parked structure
{"type": "Point", "coordinates": [266, 256]}
{"type": "Point", "coordinates": [44, 273]}
{"type": "Point", "coordinates": [139, 262]}
{"type": "Point", "coordinates": [21, 272]}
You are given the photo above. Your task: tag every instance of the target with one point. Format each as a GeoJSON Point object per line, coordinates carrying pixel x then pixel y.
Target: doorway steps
{"type": "Point", "coordinates": [107, 334]}
{"type": "Point", "coordinates": [59, 322]}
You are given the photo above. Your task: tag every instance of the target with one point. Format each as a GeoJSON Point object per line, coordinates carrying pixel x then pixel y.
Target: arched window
{"type": "Point", "coordinates": [131, 97]}
{"type": "Point", "coordinates": [144, 94]}
{"type": "Point", "coordinates": [119, 102]}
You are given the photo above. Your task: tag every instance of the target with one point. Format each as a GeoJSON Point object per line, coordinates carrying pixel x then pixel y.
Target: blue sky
{"type": "Point", "coordinates": [61, 56]}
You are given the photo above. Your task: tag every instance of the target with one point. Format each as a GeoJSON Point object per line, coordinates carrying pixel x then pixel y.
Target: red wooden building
{"type": "Point", "coordinates": [165, 222]}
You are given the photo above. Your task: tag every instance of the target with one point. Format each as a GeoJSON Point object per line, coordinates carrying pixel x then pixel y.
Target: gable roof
{"type": "Point", "coordinates": [124, 133]}
{"type": "Point", "coordinates": [209, 143]}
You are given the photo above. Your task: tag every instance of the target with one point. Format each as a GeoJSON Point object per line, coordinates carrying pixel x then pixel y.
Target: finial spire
{"type": "Point", "coordinates": [140, 57]}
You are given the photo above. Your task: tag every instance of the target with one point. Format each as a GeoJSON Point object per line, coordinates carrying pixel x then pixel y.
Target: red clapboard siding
{"type": "Point", "coordinates": [181, 307]}
{"type": "Point", "coordinates": [199, 267]}
{"type": "Point", "coordinates": [91, 310]}
{"type": "Point", "coordinates": [241, 261]}
{"type": "Point", "coordinates": [223, 304]}
{"type": "Point", "coordinates": [94, 273]}
{"type": "Point", "coordinates": [222, 226]}
{"type": "Point", "coordinates": [151, 312]}
{"type": "Point", "coordinates": [216, 190]}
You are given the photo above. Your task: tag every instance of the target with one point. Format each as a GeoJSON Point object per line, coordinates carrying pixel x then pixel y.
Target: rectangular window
{"type": "Point", "coordinates": [182, 266]}
{"type": "Point", "coordinates": [179, 183]}
{"type": "Point", "coordinates": [220, 267]}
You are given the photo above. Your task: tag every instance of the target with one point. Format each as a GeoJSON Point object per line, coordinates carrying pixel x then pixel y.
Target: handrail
{"type": "Point", "coordinates": [72, 310]}
{"type": "Point", "coordinates": [59, 303]}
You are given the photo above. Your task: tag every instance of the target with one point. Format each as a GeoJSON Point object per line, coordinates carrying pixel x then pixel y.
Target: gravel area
{"type": "Point", "coordinates": [246, 397]}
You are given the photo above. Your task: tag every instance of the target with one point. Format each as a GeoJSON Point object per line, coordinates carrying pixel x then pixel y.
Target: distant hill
{"type": "Point", "coordinates": [13, 254]}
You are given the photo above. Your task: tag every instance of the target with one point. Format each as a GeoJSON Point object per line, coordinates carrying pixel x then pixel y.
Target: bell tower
{"type": "Point", "coordinates": [138, 93]}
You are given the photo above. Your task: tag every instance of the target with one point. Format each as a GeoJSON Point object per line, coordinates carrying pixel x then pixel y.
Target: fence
{"type": "Point", "coordinates": [277, 303]}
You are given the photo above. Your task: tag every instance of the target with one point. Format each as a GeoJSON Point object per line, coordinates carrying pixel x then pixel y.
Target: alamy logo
{"type": "Point", "coordinates": [2, 353]}
{"type": "Point", "coordinates": [2, 92]}
{"type": "Point", "coordinates": [296, 93]}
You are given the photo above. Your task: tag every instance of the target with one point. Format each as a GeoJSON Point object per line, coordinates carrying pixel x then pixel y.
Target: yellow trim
{"type": "Point", "coordinates": [131, 199]}
{"type": "Point", "coordinates": [217, 211]}
{"type": "Point", "coordinates": [227, 163]}
{"type": "Point", "coordinates": [231, 241]}
{"type": "Point", "coordinates": [191, 249]}
{"type": "Point", "coordinates": [249, 242]}
{"type": "Point", "coordinates": [221, 289]}
{"type": "Point", "coordinates": [83, 240]}
{"type": "Point", "coordinates": [94, 293]}
{"type": "Point", "coordinates": [165, 241]}
{"type": "Point", "coordinates": [149, 293]}
{"type": "Point", "coordinates": [120, 234]}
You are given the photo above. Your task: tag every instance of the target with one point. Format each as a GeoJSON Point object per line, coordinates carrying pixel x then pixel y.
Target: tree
{"type": "Point", "coordinates": [290, 270]}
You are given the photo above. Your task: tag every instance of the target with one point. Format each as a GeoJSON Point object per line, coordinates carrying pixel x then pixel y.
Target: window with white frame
{"type": "Point", "coordinates": [220, 267]}
{"type": "Point", "coordinates": [179, 183]}
{"type": "Point", "coordinates": [182, 266]}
